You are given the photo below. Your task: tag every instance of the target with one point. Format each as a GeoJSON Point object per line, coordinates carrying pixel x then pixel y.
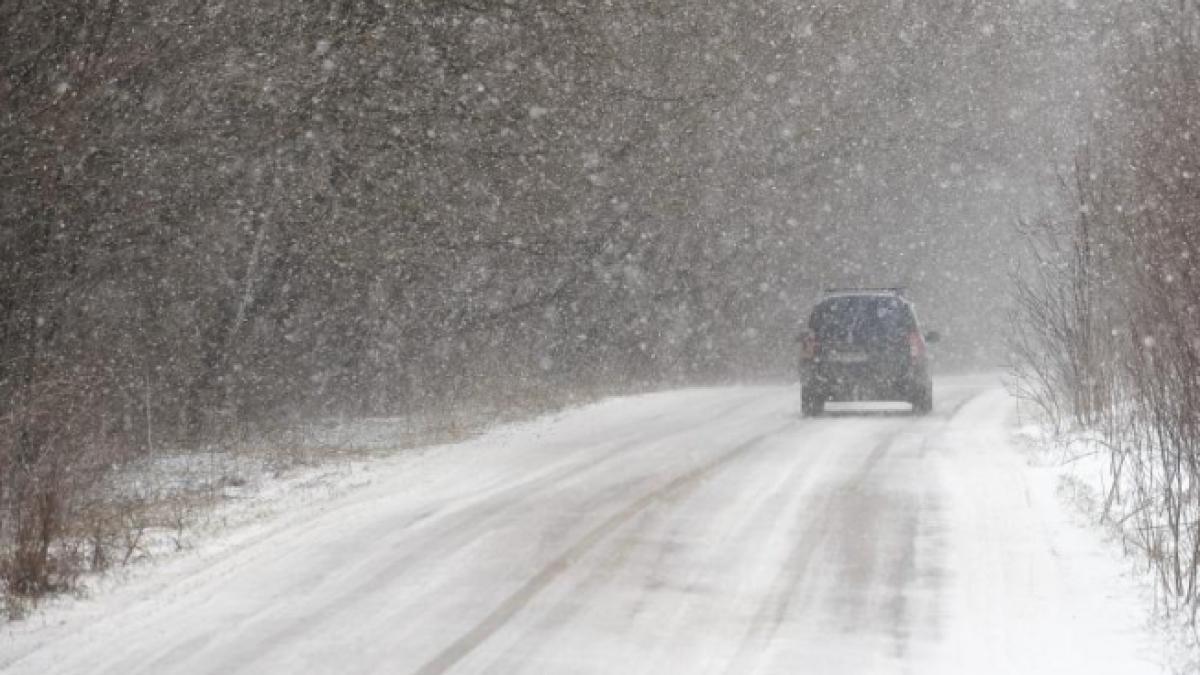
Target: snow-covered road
{"type": "Point", "coordinates": [698, 531]}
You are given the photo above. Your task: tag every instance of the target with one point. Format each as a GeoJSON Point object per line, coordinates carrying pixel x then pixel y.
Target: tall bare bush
{"type": "Point", "coordinates": [1109, 308]}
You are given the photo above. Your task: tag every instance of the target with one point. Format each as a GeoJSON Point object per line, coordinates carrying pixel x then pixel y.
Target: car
{"type": "Point", "coordinates": [865, 345]}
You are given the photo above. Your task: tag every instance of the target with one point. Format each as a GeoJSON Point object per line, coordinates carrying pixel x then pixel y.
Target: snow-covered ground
{"type": "Point", "coordinates": [691, 531]}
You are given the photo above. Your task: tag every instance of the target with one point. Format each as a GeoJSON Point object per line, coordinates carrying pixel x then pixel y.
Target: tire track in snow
{"type": "Point", "coordinates": [821, 521]}
{"type": "Point", "coordinates": [452, 530]}
{"type": "Point", "coordinates": [518, 600]}
{"type": "Point", "coordinates": [779, 599]}
{"type": "Point", "coordinates": [633, 538]}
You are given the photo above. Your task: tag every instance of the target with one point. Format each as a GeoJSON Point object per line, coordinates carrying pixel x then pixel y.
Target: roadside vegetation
{"type": "Point", "coordinates": [1108, 298]}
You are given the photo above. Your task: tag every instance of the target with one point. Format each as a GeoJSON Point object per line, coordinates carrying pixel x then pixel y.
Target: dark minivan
{"type": "Point", "coordinates": [865, 345]}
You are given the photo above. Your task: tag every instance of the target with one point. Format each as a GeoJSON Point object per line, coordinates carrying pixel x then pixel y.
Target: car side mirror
{"type": "Point", "coordinates": [933, 336]}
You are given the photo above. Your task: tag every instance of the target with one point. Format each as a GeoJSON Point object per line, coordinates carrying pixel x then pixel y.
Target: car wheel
{"type": "Point", "coordinates": [812, 402]}
{"type": "Point", "coordinates": [922, 403]}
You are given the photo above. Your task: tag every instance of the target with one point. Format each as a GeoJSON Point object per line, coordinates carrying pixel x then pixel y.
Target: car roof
{"type": "Point", "coordinates": [865, 294]}
{"type": "Point", "coordinates": [893, 295]}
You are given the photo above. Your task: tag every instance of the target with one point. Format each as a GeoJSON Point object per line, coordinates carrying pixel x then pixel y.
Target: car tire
{"type": "Point", "coordinates": [812, 402]}
{"type": "Point", "coordinates": [922, 403]}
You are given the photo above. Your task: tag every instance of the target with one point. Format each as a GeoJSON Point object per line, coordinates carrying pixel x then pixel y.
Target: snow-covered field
{"type": "Point", "coordinates": [708, 530]}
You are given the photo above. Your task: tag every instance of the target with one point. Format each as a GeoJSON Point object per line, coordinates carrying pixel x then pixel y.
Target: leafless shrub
{"type": "Point", "coordinates": [1109, 302]}
{"type": "Point", "coordinates": [1063, 344]}
{"type": "Point", "coordinates": [52, 453]}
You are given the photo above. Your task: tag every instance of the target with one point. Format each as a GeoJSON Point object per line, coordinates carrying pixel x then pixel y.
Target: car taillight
{"type": "Point", "coordinates": [916, 345]}
{"type": "Point", "coordinates": [810, 347]}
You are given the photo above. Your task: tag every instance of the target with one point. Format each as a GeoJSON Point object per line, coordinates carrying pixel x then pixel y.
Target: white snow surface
{"type": "Point", "coordinates": [693, 531]}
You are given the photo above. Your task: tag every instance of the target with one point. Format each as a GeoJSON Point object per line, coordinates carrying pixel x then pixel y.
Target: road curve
{"type": "Point", "coordinates": [703, 531]}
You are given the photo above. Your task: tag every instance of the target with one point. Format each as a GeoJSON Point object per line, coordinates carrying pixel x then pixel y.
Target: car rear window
{"type": "Point", "coordinates": [861, 319]}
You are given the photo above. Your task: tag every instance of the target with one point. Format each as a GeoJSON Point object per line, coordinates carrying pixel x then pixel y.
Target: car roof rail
{"type": "Point", "coordinates": [895, 290]}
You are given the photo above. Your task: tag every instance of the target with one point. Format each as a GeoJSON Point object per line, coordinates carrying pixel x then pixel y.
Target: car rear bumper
{"type": "Point", "coordinates": [866, 382]}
